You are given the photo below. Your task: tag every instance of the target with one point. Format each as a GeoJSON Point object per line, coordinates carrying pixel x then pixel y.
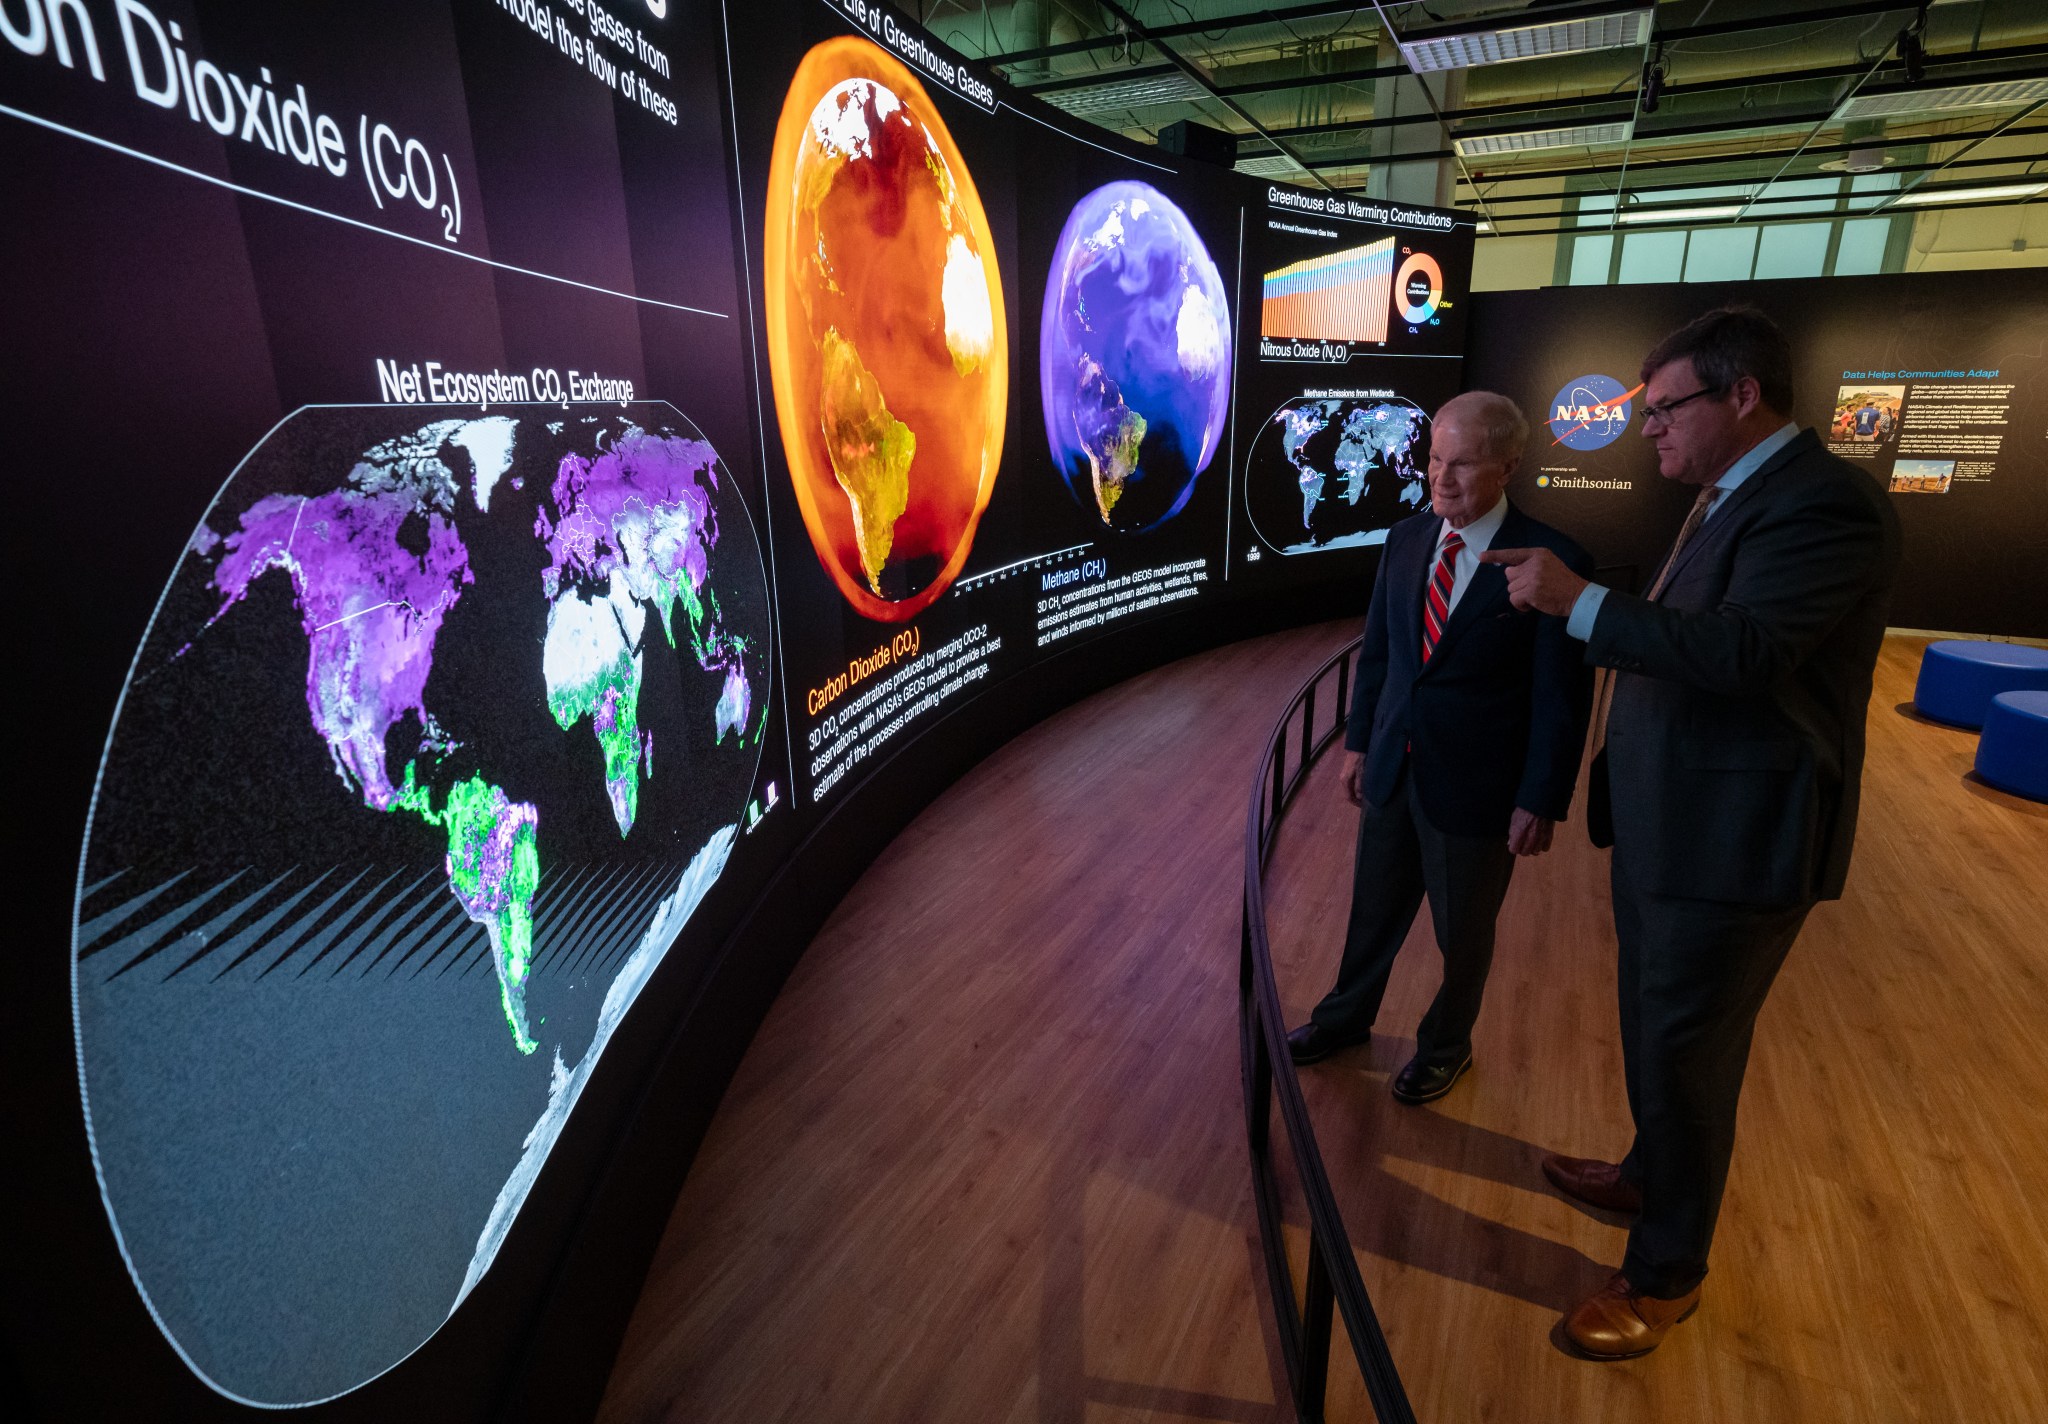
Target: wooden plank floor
{"type": "Point", "coordinates": [985, 1159]}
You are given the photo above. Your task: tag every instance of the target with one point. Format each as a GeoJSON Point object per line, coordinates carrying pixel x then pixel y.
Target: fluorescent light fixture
{"type": "Point", "coordinates": [1269, 165]}
{"type": "Point", "coordinates": [1998, 193]}
{"type": "Point", "coordinates": [1663, 215]}
{"type": "Point", "coordinates": [1427, 54]}
{"type": "Point", "coordinates": [2007, 94]}
{"type": "Point", "coordinates": [1483, 225]}
{"type": "Point", "coordinates": [1528, 141]}
{"type": "Point", "coordinates": [1126, 94]}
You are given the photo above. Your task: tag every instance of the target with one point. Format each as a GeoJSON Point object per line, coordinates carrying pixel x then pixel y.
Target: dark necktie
{"type": "Point", "coordinates": [1697, 517]}
{"type": "Point", "coordinates": [1693, 521]}
{"type": "Point", "coordinates": [1436, 608]}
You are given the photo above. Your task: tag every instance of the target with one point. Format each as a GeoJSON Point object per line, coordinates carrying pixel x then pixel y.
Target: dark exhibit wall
{"type": "Point", "coordinates": [559, 484]}
{"type": "Point", "coordinates": [1937, 384]}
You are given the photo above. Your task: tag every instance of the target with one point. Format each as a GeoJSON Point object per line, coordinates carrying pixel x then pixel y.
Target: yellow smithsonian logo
{"type": "Point", "coordinates": [1580, 482]}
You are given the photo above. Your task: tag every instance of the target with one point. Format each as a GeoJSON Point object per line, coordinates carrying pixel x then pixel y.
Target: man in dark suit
{"type": "Point", "coordinates": [1728, 781]}
{"type": "Point", "coordinates": [1466, 727]}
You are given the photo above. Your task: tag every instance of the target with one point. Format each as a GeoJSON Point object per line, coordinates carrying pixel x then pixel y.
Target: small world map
{"type": "Point", "coordinates": [1342, 468]}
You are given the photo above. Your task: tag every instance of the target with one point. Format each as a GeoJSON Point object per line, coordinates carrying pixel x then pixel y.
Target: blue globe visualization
{"type": "Point", "coordinates": [1133, 356]}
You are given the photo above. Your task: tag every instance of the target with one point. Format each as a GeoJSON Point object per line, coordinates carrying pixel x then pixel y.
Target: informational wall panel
{"type": "Point", "coordinates": [1937, 391]}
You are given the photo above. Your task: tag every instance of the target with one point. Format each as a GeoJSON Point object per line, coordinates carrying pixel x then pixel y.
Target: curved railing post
{"type": "Point", "coordinates": [1333, 1285]}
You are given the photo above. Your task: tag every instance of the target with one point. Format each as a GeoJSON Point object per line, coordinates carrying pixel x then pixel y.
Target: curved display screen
{"type": "Point", "coordinates": [506, 474]}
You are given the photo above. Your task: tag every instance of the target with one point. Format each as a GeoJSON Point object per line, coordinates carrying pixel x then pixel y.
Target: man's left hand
{"type": "Point", "coordinates": [1529, 833]}
{"type": "Point", "coordinates": [1538, 579]}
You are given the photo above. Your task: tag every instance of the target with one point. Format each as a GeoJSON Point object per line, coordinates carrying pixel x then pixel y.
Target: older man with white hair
{"type": "Point", "coordinates": [1467, 720]}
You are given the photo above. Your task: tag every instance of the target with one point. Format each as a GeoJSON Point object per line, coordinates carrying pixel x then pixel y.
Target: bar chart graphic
{"type": "Point", "coordinates": [1342, 296]}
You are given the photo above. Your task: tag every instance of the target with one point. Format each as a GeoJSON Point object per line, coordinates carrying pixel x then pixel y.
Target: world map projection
{"type": "Point", "coordinates": [1337, 472]}
{"type": "Point", "coordinates": [442, 730]}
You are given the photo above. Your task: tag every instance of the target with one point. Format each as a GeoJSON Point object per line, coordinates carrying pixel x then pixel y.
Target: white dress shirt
{"type": "Point", "coordinates": [1477, 536]}
{"type": "Point", "coordinates": [1587, 608]}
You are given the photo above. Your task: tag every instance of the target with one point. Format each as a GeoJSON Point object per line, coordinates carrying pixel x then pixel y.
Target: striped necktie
{"type": "Point", "coordinates": [1436, 609]}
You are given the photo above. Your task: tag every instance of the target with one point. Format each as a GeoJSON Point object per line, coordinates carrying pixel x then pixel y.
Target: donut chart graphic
{"type": "Point", "coordinates": [1418, 288]}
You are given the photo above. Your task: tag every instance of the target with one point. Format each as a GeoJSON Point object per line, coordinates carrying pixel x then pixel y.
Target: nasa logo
{"type": "Point", "coordinates": [1590, 412]}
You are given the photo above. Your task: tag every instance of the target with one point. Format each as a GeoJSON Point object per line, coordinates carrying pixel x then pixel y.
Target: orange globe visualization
{"type": "Point", "coordinates": [887, 344]}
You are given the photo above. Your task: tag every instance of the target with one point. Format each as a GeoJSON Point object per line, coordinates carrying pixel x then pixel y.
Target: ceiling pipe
{"type": "Point", "coordinates": [1814, 132]}
{"type": "Point", "coordinates": [1709, 160]}
{"type": "Point", "coordinates": [1443, 125]}
{"type": "Point", "coordinates": [1328, 8]}
{"type": "Point", "coordinates": [1701, 161]}
{"type": "Point", "coordinates": [1639, 226]}
{"type": "Point", "coordinates": [1589, 111]}
{"type": "Point", "coordinates": [1500, 200]}
{"type": "Point", "coordinates": [1909, 188]}
{"type": "Point", "coordinates": [1186, 67]}
{"type": "Point", "coordinates": [1818, 117]}
{"type": "Point", "coordinates": [1319, 11]}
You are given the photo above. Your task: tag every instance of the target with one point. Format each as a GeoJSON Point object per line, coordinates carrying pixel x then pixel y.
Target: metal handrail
{"type": "Point", "coordinates": [1333, 1279]}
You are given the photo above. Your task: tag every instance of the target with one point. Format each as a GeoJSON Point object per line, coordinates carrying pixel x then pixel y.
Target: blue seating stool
{"type": "Point", "coordinates": [2013, 753]}
{"type": "Point", "coordinates": [1958, 679]}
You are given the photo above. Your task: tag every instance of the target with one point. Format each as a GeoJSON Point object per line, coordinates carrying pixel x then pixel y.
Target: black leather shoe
{"type": "Point", "coordinates": [1419, 1082]}
{"type": "Point", "coordinates": [1312, 1043]}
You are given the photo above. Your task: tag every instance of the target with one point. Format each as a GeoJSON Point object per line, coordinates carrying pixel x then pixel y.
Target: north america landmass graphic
{"type": "Point", "coordinates": [375, 567]}
{"type": "Point", "coordinates": [510, 663]}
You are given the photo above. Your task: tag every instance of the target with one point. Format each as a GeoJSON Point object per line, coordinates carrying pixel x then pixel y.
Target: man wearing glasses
{"type": "Point", "coordinates": [1727, 781]}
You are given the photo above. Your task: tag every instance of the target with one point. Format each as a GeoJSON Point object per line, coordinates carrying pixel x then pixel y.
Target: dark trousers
{"type": "Point", "coordinates": [1402, 858]}
{"type": "Point", "coordinates": [1693, 974]}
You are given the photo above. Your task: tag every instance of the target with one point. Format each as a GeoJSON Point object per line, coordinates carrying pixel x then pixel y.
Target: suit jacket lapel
{"type": "Point", "coordinates": [1718, 523]}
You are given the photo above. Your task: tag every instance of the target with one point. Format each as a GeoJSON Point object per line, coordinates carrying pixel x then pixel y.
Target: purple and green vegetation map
{"type": "Point", "coordinates": [441, 733]}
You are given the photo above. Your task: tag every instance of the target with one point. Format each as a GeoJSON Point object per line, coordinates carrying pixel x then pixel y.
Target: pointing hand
{"type": "Point", "coordinates": [1538, 579]}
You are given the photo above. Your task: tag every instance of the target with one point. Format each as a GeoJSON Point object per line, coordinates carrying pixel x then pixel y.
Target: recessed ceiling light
{"type": "Point", "coordinates": [1990, 194]}
{"type": "Point", "coordinates": [1126, 94]}
{"type": "Point", "coordinates": [1528, 141]}
{"type": "Point", "coordinates": [2008, 94]}
{"type": "Point", "coordinates": [1429, 53]}
{"type": "Point", "coordinates": [1664, 215]}
{"type": "Point", "coordinates": [1271, 165]}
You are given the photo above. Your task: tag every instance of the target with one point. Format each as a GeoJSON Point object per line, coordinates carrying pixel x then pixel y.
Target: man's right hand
{"type": "Point", "coordinates": [1354, 777]}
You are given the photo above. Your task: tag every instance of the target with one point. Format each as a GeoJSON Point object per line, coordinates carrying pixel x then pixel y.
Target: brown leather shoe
{"type": "Point", "coordinates": [1593, 1182]}
{"type": "Point", "coordinates": [1617, 1323]}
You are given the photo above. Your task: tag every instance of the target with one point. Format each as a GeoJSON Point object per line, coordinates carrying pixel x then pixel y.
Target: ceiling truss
{"type": "Point", "coordinates": [1748, 95]}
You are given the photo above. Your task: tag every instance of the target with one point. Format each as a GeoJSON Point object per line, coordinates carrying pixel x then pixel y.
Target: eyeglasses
{"type": "Point", "coordinates": [1663, 412]}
